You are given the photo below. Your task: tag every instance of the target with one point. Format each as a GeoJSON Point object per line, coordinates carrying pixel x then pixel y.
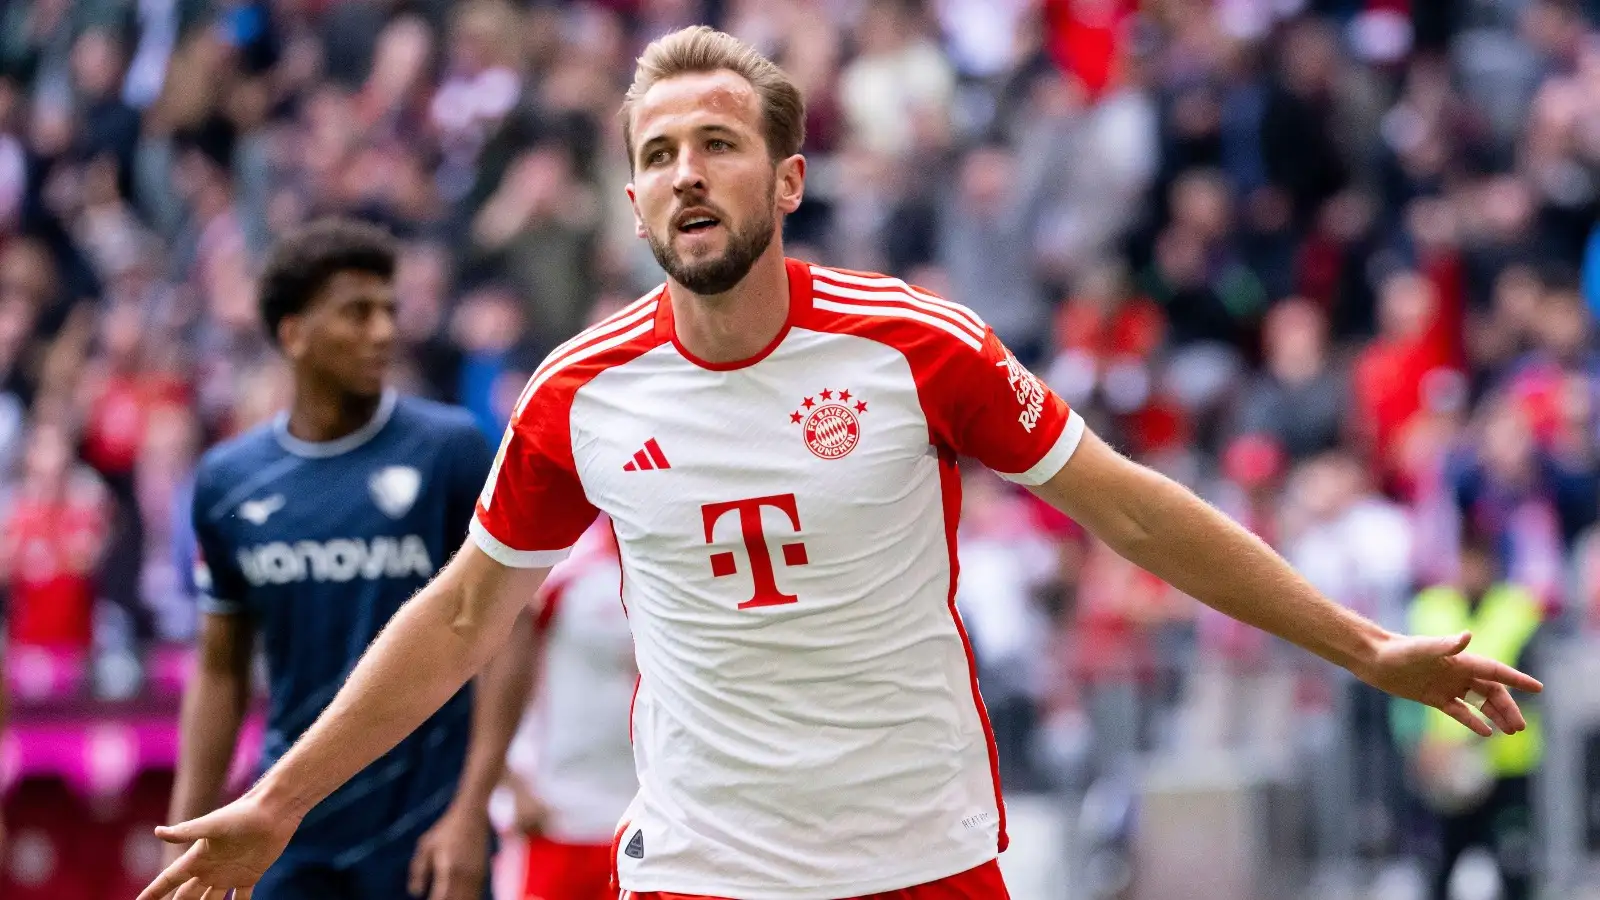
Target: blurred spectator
{"type": "Point", "coordinates": [120, 389]}
{"type": "Point", "coordinates": [110, 126]}
{"type": "Point", "coordinates": [1348, 539]}
{"type": "Point", "coordinates": [538, 231]}
{"type": "Point", "coordinates": [53, 537]}
{"type": "Point", "coordinates": [1355, 546]}
{"type": "Point", "coordinates": [482, 83]}
{"type": "Point", "coordinates": [1087, 39]}
{"type": "Point", "coordinates": [1129, 630]}
{"type": "Point", "coordinates": [1106, 341]}
{"type": "Point", "coordinates": [487, 327]}
{"type": "Point", "coordinates": [896, 93]}
{"type": "Point", "coordinates": [1478, 788]}
{"type": "Point", "coordinates": [1300, 398]}
{"type": "Point", "coordinates": [1504, 491]}
{"type": "Point", "coordinates": [1209, 295]}
{"type": "Point", "coordinates": [1002, 563]}
{"type": "Point", "coordinates": [1500, 335]}
{"type": "Point", "coordinates": [431, 366]}
{"type": "Point", "coordinates": [164, 492]}
{"type": "Point", "coordinates": [1299, 137]}
{"type": "Point", "coordinates": [986, 249]}
{"type": "Point", "coordinates": [1333, 263]}
{"type": "Point", "coordinates": [1085, 167]}
{"type": "Point", "coordinates": [1394, 373]}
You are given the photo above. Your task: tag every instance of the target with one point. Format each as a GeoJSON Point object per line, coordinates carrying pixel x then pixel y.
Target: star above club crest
{"type": "Point", "coordinates": [795, 417]}
{"type": "Point", "coordinates": [809, 402]}
{"type": "Point", "coordinates": [827, 394]}
{"type": "Point", "coordinates": [861, 406]}
{"type": "Point", "coordinates": [844, 396]}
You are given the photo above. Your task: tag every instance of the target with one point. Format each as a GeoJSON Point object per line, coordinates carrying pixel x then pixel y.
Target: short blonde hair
{"type": "Point", "coordinates": [701, 48]}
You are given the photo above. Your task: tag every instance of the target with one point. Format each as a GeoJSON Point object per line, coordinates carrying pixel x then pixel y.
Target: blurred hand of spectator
{"type": "Point", "coordinates": [400, 64]}
{"type": "Point", "coordinates": [540, 186]}
{"type": "Point", "coordinates": [482, 82]}
{"type": "Point", "coordinates": [537, 232]}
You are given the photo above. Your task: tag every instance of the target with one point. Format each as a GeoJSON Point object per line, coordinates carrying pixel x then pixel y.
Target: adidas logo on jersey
{"type": "Point", "coordinates": [338, 560]}
{"type": "Point", "coordinates": [647, 459]}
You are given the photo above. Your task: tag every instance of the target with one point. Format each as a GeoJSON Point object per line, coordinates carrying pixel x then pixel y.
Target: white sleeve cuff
{"type": "Point", "coordinates": [516, 559]}
{"type": "Point", "coordinates": [1054, 458]}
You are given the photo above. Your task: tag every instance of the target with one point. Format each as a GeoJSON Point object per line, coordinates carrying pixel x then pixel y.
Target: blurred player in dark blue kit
{"type": "Point", "coordinates": [313, 531]}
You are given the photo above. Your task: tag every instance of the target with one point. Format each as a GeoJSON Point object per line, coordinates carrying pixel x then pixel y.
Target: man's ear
{"type": "Point", "coordinates": [292, 336]}
{"type": "Point", "coordinates": [790, 183]}
{"type": "Point", "coordinates": [638, 220]}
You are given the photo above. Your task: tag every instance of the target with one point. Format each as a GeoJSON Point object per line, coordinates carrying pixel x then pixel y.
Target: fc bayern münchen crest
{"type": "Point", "coordinates": [830, 422]}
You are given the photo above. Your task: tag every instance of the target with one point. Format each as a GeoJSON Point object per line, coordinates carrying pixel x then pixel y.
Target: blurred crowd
{"type": "Point", "coordinates": [1331, 262]}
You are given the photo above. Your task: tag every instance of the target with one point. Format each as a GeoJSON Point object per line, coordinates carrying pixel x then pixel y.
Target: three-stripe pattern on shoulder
{"type": "Point", "coordinates": [845, 292]}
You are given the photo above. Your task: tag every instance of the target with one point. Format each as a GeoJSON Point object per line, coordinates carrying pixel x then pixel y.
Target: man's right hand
{"type": "Point", "coordinates": [232, 849]}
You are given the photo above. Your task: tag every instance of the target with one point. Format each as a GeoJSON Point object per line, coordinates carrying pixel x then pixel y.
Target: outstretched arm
{"type": "Point", "coordinates": [452, 858]}
{"type": "Point", "coordinates": [1163, 527]}
{"type": "Point", "coordinates": [437, 641]}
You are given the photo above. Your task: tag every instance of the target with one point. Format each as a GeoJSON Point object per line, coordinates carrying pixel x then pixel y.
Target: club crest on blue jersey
{"type": "Point", "coordinates": [394, 489]}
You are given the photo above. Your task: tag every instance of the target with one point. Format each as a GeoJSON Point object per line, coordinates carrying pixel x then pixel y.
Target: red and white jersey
{"type": "Point", "coordinates": [573, 747]}
{"type": "Point", "coordinates": [808, 723]}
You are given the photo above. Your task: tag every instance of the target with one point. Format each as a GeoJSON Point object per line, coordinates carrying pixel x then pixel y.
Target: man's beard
{"type": "Point", "coordinates": [717, 274]}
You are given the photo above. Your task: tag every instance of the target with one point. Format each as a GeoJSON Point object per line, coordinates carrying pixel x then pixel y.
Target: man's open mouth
{"type": "Point", "coordinates": [696, 222]}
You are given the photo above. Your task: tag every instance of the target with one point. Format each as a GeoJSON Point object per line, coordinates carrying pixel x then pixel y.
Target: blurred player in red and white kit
{"type": "Point", "coordinates": [776, 444]}
{"type": "Point", "coordinates": [570, 767]}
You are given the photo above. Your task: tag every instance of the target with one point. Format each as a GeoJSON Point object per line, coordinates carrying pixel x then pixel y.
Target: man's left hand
{"type": "Point", "coordinates": [1436, 671]}
{"type": "Point", "coordinates": [452, 858]}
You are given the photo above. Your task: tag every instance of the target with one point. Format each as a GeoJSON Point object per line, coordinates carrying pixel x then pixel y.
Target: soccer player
{"type": "Point", "coordinates": [313, 531]}
{"type": "Point", "coordinates": [571, 765]}
{"type": "Point", "coordinates": [775, 444]}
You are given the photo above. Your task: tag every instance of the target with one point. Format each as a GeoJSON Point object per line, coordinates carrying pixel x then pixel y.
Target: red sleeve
{"type": "Point", "coordinates": [984, 404]}
{"type": "Point", "coordinates": [533, 508]}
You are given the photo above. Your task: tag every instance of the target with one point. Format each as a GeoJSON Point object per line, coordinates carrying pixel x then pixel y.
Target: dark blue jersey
{"type": "Point", "coordinates": [320, 544]}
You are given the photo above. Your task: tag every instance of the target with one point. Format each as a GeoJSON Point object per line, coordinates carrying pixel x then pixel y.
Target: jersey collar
{"type": "Point", "coordinates": [799, 304]}
{"type": "Point", "coordinates": [339, 446]}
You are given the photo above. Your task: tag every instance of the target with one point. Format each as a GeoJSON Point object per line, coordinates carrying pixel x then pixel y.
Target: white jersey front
{"type": "Point", "coordinates": [573, 747]}
{"type": "Point", "coordinates": [807, 723]}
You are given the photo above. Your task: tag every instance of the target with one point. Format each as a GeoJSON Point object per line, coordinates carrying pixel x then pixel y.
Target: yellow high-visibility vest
{"type": "Point", "coordinates": [1506, 620]}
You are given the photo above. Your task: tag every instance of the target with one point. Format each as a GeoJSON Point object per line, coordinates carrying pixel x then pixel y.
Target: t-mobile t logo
{"type": "Point", "coordinates": [755, 545]}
